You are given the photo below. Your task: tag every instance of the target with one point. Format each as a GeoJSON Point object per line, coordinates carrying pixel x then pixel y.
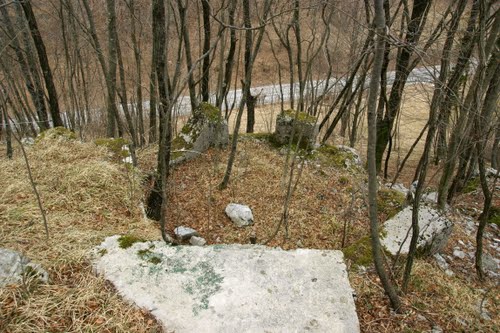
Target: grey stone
{"type": "Point", "coordinates": [434, 231]}
{"type": "Point", "coordinates": [234, 288]}
{"type": "Point", "coordinates": [241, 215]}
{"type": "Point", "coordinates": [436, 329]}
{"type": "Point", "coordinates": [355, 155]}
{"type": "Point", "coordinates": [185, 233]}
{"type": "Point", "coordinates": [430, 197]}
{"type": "Point", "coordinates": [202, 131]}
{"type": "Point", "coordinates": [441, 262]}
{"type": "Point", "coordinates": [197, 241]}
{"type": "Point", "coordinates": [490, 172]}
{"type": "Point", "coordinates": [28, 141]}
{"type": "Point", "coordinates": [459, 254]}
{"type": "Point", "coordinates": [398, 187]}
{"type": "Point", "coordinates": [304, 128]}
{"type": "Point", "coordinates": [14, 268]}
{"type": "Point", "coordinates": [489, 263]}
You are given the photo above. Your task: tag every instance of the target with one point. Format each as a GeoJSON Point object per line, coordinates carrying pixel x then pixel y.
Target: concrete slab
{"type": "Point", "coordinates": [232, 288]}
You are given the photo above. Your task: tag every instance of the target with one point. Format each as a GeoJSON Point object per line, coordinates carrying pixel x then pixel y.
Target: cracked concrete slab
{"type": "Point", "coordinates": [232, 288]}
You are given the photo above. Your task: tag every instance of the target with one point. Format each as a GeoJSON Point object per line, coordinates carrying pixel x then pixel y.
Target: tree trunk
{"type": "Point", "coordinates": [44, 62]}
{"type": "Point", "coordinates": [372, 171]}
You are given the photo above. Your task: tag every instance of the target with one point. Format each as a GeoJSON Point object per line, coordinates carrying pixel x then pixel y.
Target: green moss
{"type": "Point", "coordinates": [149, 256]}
{"type": "Point", "coordinates": [494, 217]}
{"type": "Point", "coordinates": [178, 146]}
{"type": "Point", "coordinates": [56, 132]}
{"type": "Point", "coordinates": [344, 180]}
{"type": "Point", "coordinates": [210, 111]}
{"type": "Point", "coordinates": [301, 116]}
{"type": "Point", "coordinates": [390, 202]}
{"type": "Point", "coordinates": [471, 185]}
{"type": "Point", "coordinates": [115, 146]}
{"type": "Point", "coordinates": [360, 252]}
{"type": "Point", "coordinates": [333, 156]}
{"type": "Point", "coordinates": [127, 241]}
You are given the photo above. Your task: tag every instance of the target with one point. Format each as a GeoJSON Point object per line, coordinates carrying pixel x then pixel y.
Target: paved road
{"type": "Point", "coordinates": [271, 94]}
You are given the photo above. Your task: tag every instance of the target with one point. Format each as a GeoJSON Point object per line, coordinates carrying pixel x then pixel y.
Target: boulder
{"type": "Point", "coordinates": [355, 155]}
{"type": "Point", "coordinates": [434, 231]}
{"type": "Point", "coordinates": [185, 233]}
{"type": "Point", "coordinates": [232, 288]}
{"type": "Point", "coordinates": [15, 268]}
{"type": "Point", "coordinates": [197, 241]}
{"type": "Point", "coordinates": [241, 215]}
{"type": "Point", "coordinates": [206, 128]}
{"type": "Point", "coordinates": [303, 126]}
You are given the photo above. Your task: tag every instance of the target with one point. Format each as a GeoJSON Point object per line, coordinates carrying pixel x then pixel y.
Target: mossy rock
{"type": "Point", "coordinates": [301, 116]}
{"type": "Point", "coordinates": [115, 146]}
{"type": "Point", "coordinates": [336, 157]}
{"type": "Point", "coordinates": [210, 111]}
{"type": "Point", "coordinates": [59, 132]}
{"type": "Point", "coordinates": [302, 125]}
{"type": "Point", "coordinates": [205, 129]}
{"type": "Point", "coordinates": [390, 202]}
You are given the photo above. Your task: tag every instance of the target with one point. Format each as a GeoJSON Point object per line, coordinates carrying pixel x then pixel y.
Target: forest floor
{"type": "Point", "coordinates": [88, 194]}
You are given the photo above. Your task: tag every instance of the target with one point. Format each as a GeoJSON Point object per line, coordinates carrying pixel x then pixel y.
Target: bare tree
{"type": "Point", "coordinates": [379, 22]}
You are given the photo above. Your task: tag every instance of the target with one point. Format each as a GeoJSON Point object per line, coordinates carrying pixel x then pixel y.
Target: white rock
{"type": "Point", "coordinates": [434, 231]}
{"type": "Point", "coordinates": [28, 141]}
{"type": "Point", "coordinates": [441, 261]}
{"type": "Point", "coordinates": [197, 241]}
{"type": "Point", "coordinates": [185, 233]}
{"type": "Point", "coordinates": [430, 197]}
{"type": "Point", "coordinates": [398, 187]}
{"type": "Point", "coordinates": [241, 215]}
{"type": "Point", "coordinates": [490, 172]}
{"type": "Point", "coordinates": [234, 288]}
{"type": "Point", "coordinates": [14, 267]}
{"type": "Point", "coordinates": [459, 254]}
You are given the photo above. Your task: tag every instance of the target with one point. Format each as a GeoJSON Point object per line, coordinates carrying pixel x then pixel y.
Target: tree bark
{"type": "Point", "coordinates": [379, 21]}
{"type": "Point", "coordinates": [44, 62]}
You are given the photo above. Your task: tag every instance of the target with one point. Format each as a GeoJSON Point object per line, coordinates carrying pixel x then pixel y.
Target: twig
{"type": "Point", "coordinates": [32, 182]}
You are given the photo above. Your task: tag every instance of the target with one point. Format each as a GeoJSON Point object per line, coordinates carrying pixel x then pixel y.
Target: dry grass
{"type": "Point", "coordinates": [87, 197]}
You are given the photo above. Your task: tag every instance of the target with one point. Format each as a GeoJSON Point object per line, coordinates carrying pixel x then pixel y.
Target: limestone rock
{"type": "Point", "coordinates": [304, 128]}
{"type": "Point", "coordinates": [185, 233]}
{"type": "Point", "coordinates": [355, 155]}
{"type": "Point", "coordinates": [206, 128]}
{"type": "Point", "coordinates": [14, 267]}
{"type": "Point", "coordinates": [233, 288]}
{"type": "Point", "coordinates": [241, 215]}
{"type": "Point", "coordinates": [197, 241]}
{"type": "Point", "coordinates": [434, 231]}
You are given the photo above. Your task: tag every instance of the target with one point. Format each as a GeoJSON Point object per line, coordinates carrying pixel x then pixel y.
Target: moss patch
{"type": "Point", "coordinates": [494, 217]}
{"type": "Point", "coordinates": [149, 256]}
{"type": "Point", "coordinates": [471, 185]}
{"type": "Point", "coordinates": [115, 146]}
{"type": "Point", "coordinates": [335, 157]}
{"type": "Point", "coordinates": [301, 116]}
{"type": "Point", "coordinates": [56, 133]}
{"type": "Point", "coordinates": [390, 202]}
{"type": "Point", "coordinates": [127, 241]}
{"type": "Point", "coordinates": [210, 111]}
{"type": "Point", "coordinates": [360, 253]}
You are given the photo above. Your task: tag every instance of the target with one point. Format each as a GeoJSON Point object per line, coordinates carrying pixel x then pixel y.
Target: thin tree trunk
{"type": "Point", "coordinates": [44, 62]}
{"type": "Point", "coordinates": [372, 170]}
